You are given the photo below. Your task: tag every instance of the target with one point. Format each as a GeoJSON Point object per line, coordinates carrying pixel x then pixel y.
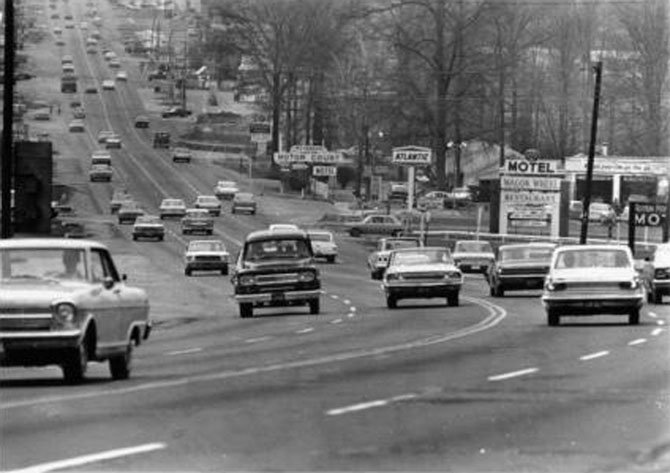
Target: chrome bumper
{"type": "Point", "coordinates": [273, 297]}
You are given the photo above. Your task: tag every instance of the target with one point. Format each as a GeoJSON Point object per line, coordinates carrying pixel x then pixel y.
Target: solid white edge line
{"type": "Point", "coordinates": [305, 330]}
{"type": "Point", "coordinates": [637, 341]}
{"type": "Point", "coordinates": [592, 356]}
{"type": "Point", "coordinates": [256, 340]}
{"type": "Point", "coordinates": [512, 374]}
{"type": "Point", "coordinates": [92, 458]}
{"type": "Point", "coordinates": [184, 352]}
{"type": "Point", "coordinates": [656, 332]}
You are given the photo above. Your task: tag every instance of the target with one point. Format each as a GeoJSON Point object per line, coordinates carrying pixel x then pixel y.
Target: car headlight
{"type": "Point", "coordinates": [306, 276]}
{"type": "Point", "coordinates": [246, 280]}
{"type": "Point", "coordinates": [452, 275]}
{"type": "Point", "coordinates": [190, 258]}
{"type": "Point", "coordinates": [64, 313]}
{"type": "Point", "coordinates": [392, 277]}
{"type": "Point", "coordinates": [632, 284]}
{"type": "Point", "coordinates": [554, 286]}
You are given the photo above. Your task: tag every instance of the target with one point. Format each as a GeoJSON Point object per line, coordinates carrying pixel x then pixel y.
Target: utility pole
{"type": "Point", "coordinates": [592, 152]}
{"type": "Point", "coordinates": [8, 125]}
{"type": "Point", "coordinates": [184, 72]}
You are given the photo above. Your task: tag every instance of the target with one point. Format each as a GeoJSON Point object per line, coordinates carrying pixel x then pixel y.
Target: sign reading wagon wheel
{"type": "Point", "coordinates": [411, 156]}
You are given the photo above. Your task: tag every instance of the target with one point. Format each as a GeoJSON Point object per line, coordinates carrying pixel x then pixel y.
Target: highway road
{"type": "Point", "coordinates": [486, 386]}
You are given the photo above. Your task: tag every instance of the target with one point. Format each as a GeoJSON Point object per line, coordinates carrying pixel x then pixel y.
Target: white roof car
{"type": "Point", "coordinates": [122, 75]}
{"type": "Point", "coordinates": [473, 255]}
{"type": "Point", "coordinates": [283, 227]}
{"type": "Point", "coordinates": [172, 208]}
{"type": "Point", "coordinates": [103, 135]}
{"type": "Point", "coordinates": [206, 255]}
{"type": "Point", "coordinates": [226, 189]}
{"type": "Point", "coordinates": [108, 84]}
{"type": "Point", "coordinates": [209, 202]}
{"type": "Point", "coordinates": [148, 226]}
{"type": "Point", "coordinates": [323, 245]}
{"type": "Point", "coordinates": [76, 125]}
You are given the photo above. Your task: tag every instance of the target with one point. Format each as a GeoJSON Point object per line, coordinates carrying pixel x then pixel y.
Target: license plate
{"type": "Point", "coordinates": [277, 296]}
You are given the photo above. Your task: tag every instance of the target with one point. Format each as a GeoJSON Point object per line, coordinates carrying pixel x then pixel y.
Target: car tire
{"type": "Point", "coordinates": [253, 212]}
{"type": "Point", "coordinates": [134, 237]}
{"type": "Point", "coordinates": [492, 291]}
{"type": "Point", "coordinates": [74, 368]}
{"type": "Point", "coordinates": [657, 297]}
{"type": "Point", "coordinates": [161, 238]}
{"type": "Point", "coordinates": [355, 232]}
{"type": "Point", "coordinates": [330, 259]}
{"type": "Point", "coordinates": [634, 317]}
{"type": "Point", "coordinates": [391, 301]}
{"type": "Point", "coordinates": [224, 271]}
{"type": "Point", "coordinates": [120, 366]}
{"type": "Point", "coordinates": [232, 211]}
{"type": "Point", "coordinates": [396, 233]}
{"type": "Point", "coordinates": [188, 271]}
{"type": "Point", "coordinates": [246, 310]}
{"type": "Point", "coordinates": [553, 318]}
{"type": "Point", "coordinates": [314, 306]}
{"type": "Point", "coordinates": [498, 291]}
{"type": "Point", "coordinates": [452, 300]}
{"type": "Point", "coordinates": [210, 232]}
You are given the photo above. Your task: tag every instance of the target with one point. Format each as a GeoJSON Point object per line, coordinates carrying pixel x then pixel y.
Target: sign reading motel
{"type": "Point", "coordinates": [522, 166]}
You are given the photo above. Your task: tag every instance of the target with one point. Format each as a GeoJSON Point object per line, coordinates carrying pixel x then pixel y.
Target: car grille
{"type": "Point", "coordinates": [279, 278]}
{"type": "Point", "coordinates": [662, 273]}
{"type": "Point", "coordinates": [25, 319]}
{"type": "Point", "coordinates": [595, 288]}
{"type": "Point", "coordinates": [207, 258]}
{"type": "Point", "coordinates": [524, 271]}
{"type": "Point", "coordinates": [424, 275]}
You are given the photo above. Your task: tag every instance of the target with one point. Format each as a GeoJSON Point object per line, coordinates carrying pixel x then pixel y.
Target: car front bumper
{"type": "Point", "coordinates": [278, 298]}
{"type": "Point", "coordinates": [37, 347]}
{"type": "Point", "coordinates": [414, 290]}
{"type": "Point", "coordinates": [206, 265]}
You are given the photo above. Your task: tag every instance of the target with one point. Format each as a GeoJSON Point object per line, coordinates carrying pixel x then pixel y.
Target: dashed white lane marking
{"type": "Point", "coordinates": [256, 340]}
{"type": "Point", "coordinates": [595, 355]}
{"type": "Point", "coordinates": [305, 330]}
{"type": "Point", "coordinates": [660, 322]}
{"type": "Point", "coordinates": [350, 314]}
{"type": "Point", "coordinates": [334, 296]}
{"type": "Point", "coordinates": [347, 301]}
{"type": "Point", "coordinates": [92, 458]}
{"type": "Point", "coordinates": [513, 374]}
{"type": "Point", "coordinates": [369, 405]}
{"type": "Point", "coordinates": [637, 341]}
{"type": "Point", "coordinates": [652, 314]}
{"type": "Point", "coordinates": [352, 309]}
{"type": "Point", "coordinates": [184, 352]}
{"type": "Point", "coordinates": [657, 331]}
{"type": "Point", "coordinates": [336, 321]}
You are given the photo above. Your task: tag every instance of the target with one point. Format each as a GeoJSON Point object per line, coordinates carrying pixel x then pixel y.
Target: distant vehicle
{"type": "Point", "coordinates": [115, 64]}
{"type": "Point", "coordinates": [69, 305]}
{"type": "Point", "coordinates": [161, 139]}
{"type": "Point", "coordinates": [128, 212]}
{"type": "Point", "coordinates": [119, 198]}
{"type": "Point", "coordinates": [417, 273]}
{"type": "Point", "coordinates": [42, 115]}
{"type": "Point", "coordinates": [585, 280]}
{"type": "Point", "coordinates": [243, 202]}
{"type": "Point", "coordinates": [100, 172]}
{"type": "Point", "coordinates": [101, 156]}
{"type": "Point", "coordinates": [155, 75]}
{"type": "Point", "coordinates": [473, 255]}
{"type": "Point", "coordinates": [121, 75]}
{"type": "Point", "coordinates": [519, 267]}
{"type": "Point", "coordinates": [323, 245]}
{"type": "Point", "coordinates": [104, 134]}
{"type": "Point", "coordinates": [142, 121]}
{"type": "Point", "coordinates": [226, 189]}
{"type": "Point", "coordinates": [79, 113]}
{"type": "Point", "coordinates": [76, 126]}
{"type": "Point", "coordinates": [209, 202]}
{"type": "Point", "coordinates": [181, 155]}
{"type": "Point", "coordinates": [67, 59]}
{"type": "Point", "coordinates": [378, 260]}
{"type": "Point", "coordinates": [398, 193]}
{"type": "Point", "coordinates": [60, 41]}
{"type": "Point", "coordinates": [108, 84]}
{"type": "Point", "coordinates": [601, 212]}
{"type": "Point", "coordinates": [91, 89]}
{"type": "Point", "coordinates": [258, 281]}
{"type": "Point", "coordinates": [432, 200]}
{"type": "Point", "coordinates": [58, 30]}
{"type": "Point", "coordinates": [113, 141]}
{"type": "Point", "coordinates": [176, 112]}
{"type": "Point", "coordinates": [68, 84]}
{"type": "Point", "coordinates": [206, 255]}
{"type": "Point", "coordinates": [459, 195]}
{"type": "Point", "coordinates": [148, 226]}
{"type": "Point", "coordinates": [172, 208]}
{"type": "Point", "coordinates": [576, 209]}
{"type": "Point", "coordinates": [656, 274]}
{"type": "Point", "coordinates": [197, 221]}
{"type": "Point", "coordinates": [377, 225]}
{"type": "Point", "coordinates": [283, 227]}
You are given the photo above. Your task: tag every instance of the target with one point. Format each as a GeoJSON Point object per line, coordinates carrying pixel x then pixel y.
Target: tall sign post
{"type": "Point", "coordinates": [321, 161]}
{"type": "Point", "coordinates": [411, 156]}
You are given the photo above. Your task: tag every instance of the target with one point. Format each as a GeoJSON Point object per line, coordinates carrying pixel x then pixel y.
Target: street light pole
{"type": "Point", "coordinates": [7, 166]}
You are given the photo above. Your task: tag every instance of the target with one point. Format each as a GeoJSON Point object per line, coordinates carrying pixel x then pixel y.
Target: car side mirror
{"type": "Point", "coordinates": [124, 277]}
{"type": "Point", "coordinates": [108, 282]}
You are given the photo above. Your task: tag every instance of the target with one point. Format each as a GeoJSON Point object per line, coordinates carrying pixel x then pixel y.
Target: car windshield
{"type": "Point", "coordinates": [148, 219]}
{"type": "Point", "coordinates": [320, 237]}
{"type": "Point", "coordinates": [397, 244]}
{"type": "Point", "coordinates": [593, 258]}
{"type": "Point", "coordinates": [226, 184]}
{"type": "Point", "coordinates": [277, 248]}
{"type": "Point", "coordinates": [198, 214]}
{"type": "Point", "coordinates": [473, 247]}
{"type": "Point", "coordinates": [427, 256]}
{"type": "Point", "coordinates": [525, 253]}
{"type": "Point", "coordinates": [208, 200]}
{"type": "Point", "coordinates": [245, 197]}
{"type": "Point", "coordinates": [206, 246]}
{"type": "Point", "coordinates": [43, 264]}
{"type": "Point", "coordinates": [173, 203]}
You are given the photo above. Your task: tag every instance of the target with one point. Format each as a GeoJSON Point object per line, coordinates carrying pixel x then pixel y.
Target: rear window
{"type": "Point", "coordinates": [285, 248]}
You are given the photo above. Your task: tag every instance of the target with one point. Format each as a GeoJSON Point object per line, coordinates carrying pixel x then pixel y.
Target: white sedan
{"type": "Point", "coordinates": [108, 84]}
{"type": "Point", "coordinates": [122, 76]}
{"type": "Point", "coordinates": [323, 245]}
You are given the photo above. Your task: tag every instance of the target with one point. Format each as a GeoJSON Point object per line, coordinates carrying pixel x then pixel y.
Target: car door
{"type": "Point", "coordinates": [105, 303]}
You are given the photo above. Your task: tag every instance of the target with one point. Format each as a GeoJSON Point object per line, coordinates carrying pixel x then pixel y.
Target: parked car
{"type": "Point", "coordinates": [459, 196]}
{"type": "Point", "coordinates": [63, 302]}
{"type": "Point", "coordinates": [206, 255]}
{"type": "Point", "coordinates": [432, 200]}
{"type": "Point", "coordinates": [244, 202]}
{"type": "Point", "coordinates": [323, 245]}
{"type": "Point", "coordinates": [172, 208]}
{"type": "Point", "coordinates": [148, 226]}
{"type": "Point", "coordinates": [181, 155]}
{"type": "Point", "coordinates": [585, 280]}
{"type": "Point", "coordinates": [226, 189]}
{"type": "Point", "coordinates": [197, 221]}
{"type": "Point", "coordinates": [176, 112]}
{"type": "Point", "coordinates": [208, 202]}
{"type": "Point", "coordinates": [142, 121]}
{"type": "Point", "coordinates": [427, 272]}
{"type": "Point", "coordinates": [128, 212]}
{"type": "Point", "coordinates": [576, 209]}
{"type": "Point", "coordinates": [378, 260]}
{"type": "Point", "coordinates": [473, 255]}
{"type": "Point", "coordinates": [601, 212]}
{"type": "Point", "coordinates": [656, 274]}
{"type": "Point", "coordinates": [42, 115]}
{"type": "Point", "coordinates": [377, 225]}
{"type": "Point", "coordinates": [100, 172]}
{"type": "Point", "coordinates": [519, 267]}
{"type": "Point", "coordinates": [76, 126]}
{"type": "Point", "coordinates": [274, 269]}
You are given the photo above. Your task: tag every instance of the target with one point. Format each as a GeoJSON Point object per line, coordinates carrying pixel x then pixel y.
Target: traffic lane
{"type": "Point", "coordinates": [119, 410]}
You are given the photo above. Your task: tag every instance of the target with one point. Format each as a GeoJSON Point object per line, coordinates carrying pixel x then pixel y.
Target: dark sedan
{"type": "Point", "coordinates": [519, 267]}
